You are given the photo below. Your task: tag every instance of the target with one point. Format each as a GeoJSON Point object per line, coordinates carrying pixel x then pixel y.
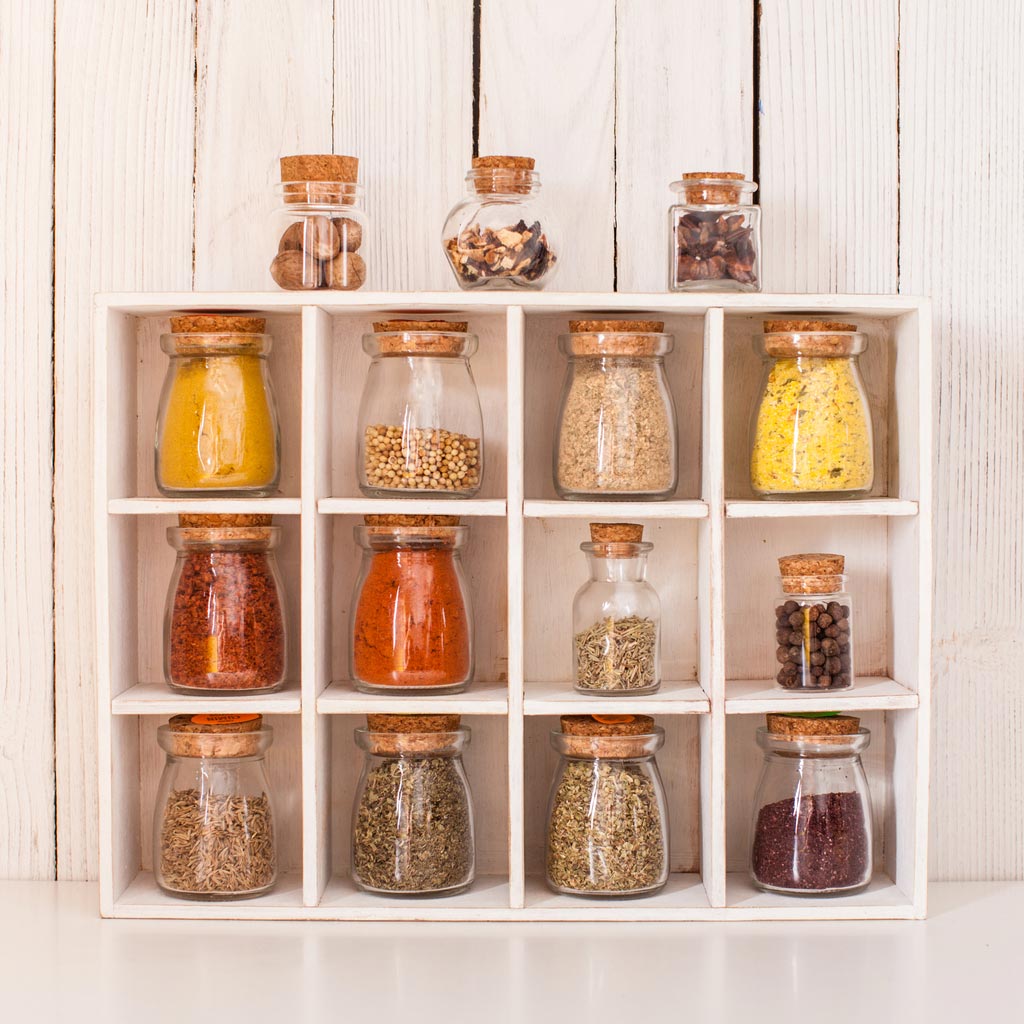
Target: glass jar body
{"type": "Point", "coordinates": [814, 640]}
{"type": "Point", "coordinates": [812, 822]}
{"type": "Point", "coordinates": [224, 620]}
{"type": "Point", "coordinates": [714, 247]}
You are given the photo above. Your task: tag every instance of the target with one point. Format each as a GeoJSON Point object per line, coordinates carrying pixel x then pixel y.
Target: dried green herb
{"type": "Point", "coordinates": [617, 654]}
{"type": "Point", "coordinates": [413, 828]}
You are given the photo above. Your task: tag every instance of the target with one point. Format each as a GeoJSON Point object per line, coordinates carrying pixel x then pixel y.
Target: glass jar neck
{"type": "Point", "coordinates": [632, 569]}
{"type": "Point", "coordinates": [507, 183]}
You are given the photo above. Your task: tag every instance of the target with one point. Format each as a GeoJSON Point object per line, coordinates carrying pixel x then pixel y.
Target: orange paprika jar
{"type": "Point", "coordinates": [412, 627]}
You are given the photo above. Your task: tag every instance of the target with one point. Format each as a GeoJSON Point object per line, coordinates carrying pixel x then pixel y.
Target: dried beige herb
{"type": "Point", "coordinates": [617, 654]}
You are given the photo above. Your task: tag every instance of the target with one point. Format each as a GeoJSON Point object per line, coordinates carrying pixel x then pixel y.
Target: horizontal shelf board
{"type": "Point", "coordinates": [869, 693]}
{"type": "Point", "coordinates": [342, 698]}
{"type": "Point", "coordinates": [682, 893]}
{"type": "Point", "coordinates": [143, 898]}
{"type": "Point", "coordinates": [881, 899]}
{"type": "Point", "coordinates": [559, 698]}
{"type": "Point", "coordinates": [537, 509]}
{"type": "Point", "coordinates": [487, 894]}
{"type": "Point", "coordinates": [412, 506]}
{"type": "Point", "coordinates": [830, 509]}
{"type": "Point", "coordinates": [209, 506]}
{"type": "Point", "coordinates": [158, 699]}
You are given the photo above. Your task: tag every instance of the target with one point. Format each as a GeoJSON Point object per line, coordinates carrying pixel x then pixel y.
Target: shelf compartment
{"type": "Point", "coordinates": [881, 899]}
{"type": "Point", "coordinates": [829, 509]}
{"type": "Point", "coordinates": [758, 696]}
{"type": "Point", "coordinates": [683, 897]}
{"type": "Point", "coordinates": [412, 506]}
{"type": "Point", "coordinates": [143, 898]}
{"type": "Point", "coordinates": [342, 698]}
{"type": "Point", "coordinates": [619, 510]}
{"type": "Point", "coordinates": [159, 699]}
{"type": "Point", "coordinates": [559, 698]}
{"type": "Point", "coordinates": [488, 894]}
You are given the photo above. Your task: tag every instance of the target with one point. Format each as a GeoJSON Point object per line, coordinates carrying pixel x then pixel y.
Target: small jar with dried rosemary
{"type": "Point", "coordinates": [213, 835]}
{"type": "Point", "coordinates": [412, 823]}
{"type": "Point", "coordinates": [607, 819]}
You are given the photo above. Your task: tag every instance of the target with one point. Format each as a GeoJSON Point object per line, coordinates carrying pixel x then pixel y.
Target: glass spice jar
{"type": "Point", "coordinates": [813, 624]}
{"type": "Point", "coordinates": [412, 822]}
{"type": "Point", "coordinates": [811, 435]}
{"type": "Point", "coordinates": [714, 234]}
{"type": "Point", "coordinates": [217, 429]}
{"type": "Point", "coordinates": [412, 628]}
{"type": "Point", "coordinates": [607, 832]}
{"type": "Point", "coordinates": [499, 235]}
{"type": "Point", "coordinates": [321, 224]}
{"type": "Point", "coordinates": [812, 811]}
{"type": "Point", "coordinates": [420, 424]}
{"type": "Point", "coordinates": [616, 616]}
{"type": "Point", "coordinates": [214, 830]}
{"type": "Point", "coordinates": [224, 625]}
{"type": "Point", "coordinates": [616, 430]}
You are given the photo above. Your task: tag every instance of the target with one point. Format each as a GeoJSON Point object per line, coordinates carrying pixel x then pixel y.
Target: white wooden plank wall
{"type": "Point", "coordinates": [888, 147]}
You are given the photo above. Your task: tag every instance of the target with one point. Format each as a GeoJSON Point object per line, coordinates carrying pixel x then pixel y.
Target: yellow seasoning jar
{"type": "Point", "coordinates": [217, 427]}
{"type": "Point", "coordinates": [812, 427]}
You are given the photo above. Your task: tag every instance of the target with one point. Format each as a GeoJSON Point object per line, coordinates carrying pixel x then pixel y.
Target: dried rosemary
{"type": "Point", "coordinates": [617, 654]}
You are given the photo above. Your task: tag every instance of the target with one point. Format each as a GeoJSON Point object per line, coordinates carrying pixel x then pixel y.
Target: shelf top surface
{"type": "Point", "coordinates": [158, 699]}
{"type": "Point", "coordinates": [868, 693]}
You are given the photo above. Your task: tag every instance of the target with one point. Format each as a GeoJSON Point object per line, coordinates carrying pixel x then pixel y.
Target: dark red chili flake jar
{"type": "Point", "coordinates": [224, 627]}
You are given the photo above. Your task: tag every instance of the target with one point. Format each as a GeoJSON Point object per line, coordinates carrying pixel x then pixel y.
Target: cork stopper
{"type": "Point", "coordinates": [307, 178]}
{"type": "Point", "coordinates": [410, 734]}
{"type": "Point", "coordinates": [798, 726]}
{"type": "Point", "coordinates": [421, 337]}
{"type": "Point", "coordinates": [812, 573]}
{"type": "Point", "coordinates": [217, 323]}
{"type": "Point", "coordinates": [630, 533]}
{"type": "Point", "coordinates": [711, 187]}
{"type": "Point", "coordinates": [606, 735]}
{"type": "Point", "coordinates": [787, 338]}
{"type": "Point", "coordinates": [392, 520]}
{"type": "Point", "coordinates": [615, 337]}
{"type": "Point", "coordinates": [196, 528]}
{"type": "Point", "coordinates": [212, 735]}
{"type": "Point", "coordinates": [192, 519]}
{"type": "Point", "coordinates": [390, 530]}
{"type": "Point", "coordinates": [502, 174]}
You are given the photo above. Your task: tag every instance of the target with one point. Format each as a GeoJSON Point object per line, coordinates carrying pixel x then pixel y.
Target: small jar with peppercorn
{"type": "Point", "coordinates": [321, 224]}
{"type": "Point", "coordinates": [714, 234]}
{"type": "Point", "coordinates": [499, 235]}
{"type": "Point", "coordinates": [813, 624]}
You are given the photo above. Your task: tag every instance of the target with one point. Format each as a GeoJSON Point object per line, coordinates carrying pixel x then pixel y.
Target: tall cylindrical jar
{"type": "Point", "coordinates": [217, 428]}
{"type": "Point", "coordinates": [500, 235]}
{"type": "Point", "coordinates": [616, 616]}
{"type": "Point", "coordinates": [320, 225]}
{"type": "Point", "coordinates": [812, 822]}
{"type": "Point", "coordinates": [214, 829]}
{"type": "Point", "coordinates": [420, 424]}
{"type": "Point", "coordinates": [616, 430]}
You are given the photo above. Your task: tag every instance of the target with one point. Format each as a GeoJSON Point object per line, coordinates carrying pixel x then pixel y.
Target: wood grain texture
{"type": "Point", "coordinates": [961, 150]}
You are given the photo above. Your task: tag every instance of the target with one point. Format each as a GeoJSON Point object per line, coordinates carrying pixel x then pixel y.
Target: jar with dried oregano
{"type": "Point", "coordinates": [213, 835]}
{"type": "Point", "coordinates": [616, 430]}
{"type": "Point", "coordinates": [412, 823]}
{"type": "Point", "coordinates": [616, 616]}
{"type": "Point", "coordinates": [607, 831]}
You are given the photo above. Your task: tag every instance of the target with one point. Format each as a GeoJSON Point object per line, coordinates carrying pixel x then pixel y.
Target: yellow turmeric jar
{"type": "Point", "coordinates": [217, 428]}
{"type": "Point", "coordinates": [812, 429]}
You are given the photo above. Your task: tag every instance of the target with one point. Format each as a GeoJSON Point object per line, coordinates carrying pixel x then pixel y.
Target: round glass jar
{"type": "Point", "coordinates": [607, 832]}
{"type": "Point", "coordinates": [499, 235]}
{"type": "Point", "coordinates": [616, 616]}
{"type": "Point", "coordinates": [812, 811]}
{"type": "Point", "coordinates": [412, 821]}
{"type": "Point", "coordinates": [214, 831]}
{"type": "Point", "coordinates": [224, 622]}
{"type": "Point", "coordinates": [811, 433]}
{"type": "Point", "coordinates": [320, 224]}
{"type": "Point", "coordinates": [714, 234]}
{"type": "Point", "coordinates": [217, 429]}
{"type": "Point", "coordinates": [616, 431]}
{"type": "Point", "coordinates": [412, 628]}
{"type": "Point", "coordinates": [420, 424]}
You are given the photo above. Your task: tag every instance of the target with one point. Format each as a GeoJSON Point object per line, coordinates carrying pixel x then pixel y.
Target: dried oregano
{"type": "Point", "coordinates": [617, 654]}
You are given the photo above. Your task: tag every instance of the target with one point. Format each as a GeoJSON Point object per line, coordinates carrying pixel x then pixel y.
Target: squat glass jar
{"type": "Point", "coordinates": [812, 824]}
{"type": "Point", "coordinates": [714, 234]}
{"type": "Point", "coordinates": [616, 616]}
{"type": "Point", "coordinates": [214, 829]}
{"type": "Point", "coordinates": [500, 235]}
{"type": "Point", "coordinates": [217, 429]}
{"type": "Point", "coordinates": [420, 424]}
{"type": "Point", "coordinates": [607, 831]}
{"type": "Point", "coordinates": [616, 430]}
{"type": "Point", "coordinates": [412, 822]}
{"type": "Point", "coordinates": [812, 434]}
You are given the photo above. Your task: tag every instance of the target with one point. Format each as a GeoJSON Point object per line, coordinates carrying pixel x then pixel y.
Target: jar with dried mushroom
{"type": "Point", "coordinates": [321, 225]}
{"type": "Point", "coordinates": [420, 424]}
{"type": "Point", "coordinates": [616, 430]}
{"type": "Point", "coordinates": [214, 828]}
{"type": "Point", "coordinates": [714, 234]}
{"type": "Point", "coordinates": [616, 616]}
{"type": "Point", "coordinates": [499, 235]}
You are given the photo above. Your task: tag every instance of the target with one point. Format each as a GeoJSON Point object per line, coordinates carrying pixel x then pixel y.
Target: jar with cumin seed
{"type": "Point", "coordinates": [616, 430]}
{"type": "Point", "coordinates": [214, 829]}
{"type": "Point", "coordinates": [607, 831]}
{"type": "Point", "coordinates": [412, 822]}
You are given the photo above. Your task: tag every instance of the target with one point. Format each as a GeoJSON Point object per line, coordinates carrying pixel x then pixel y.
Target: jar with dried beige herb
{"type": "Point", "coordinates": [607, 831]}
{"type": "Point", "coordinates": [213, 834]}
{"type": "Point", "coordinates": [616, 616]}
{"type": "Point", "coordinates": [616, 430]}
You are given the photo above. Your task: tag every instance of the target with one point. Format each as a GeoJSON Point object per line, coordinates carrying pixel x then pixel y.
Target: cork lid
{"type": "Point", "coordinates": [413, 723]}
{"type": "Point", "coordinates": [198, 332]}
{"type": "Point", "coordinates": [812, 724]}
{"type": "Point", "coordinates": [816, 573]}
{"type": "Point", "coordinates": [198, 529]}
{"type": "Point", "coordinates": [616, 540]}
{"type": "Point", "coordinates": [385, 531]}
{"type": "Point", "coordinates": [225, 519]}
{"type": "Point", "coordinates": [710, 187]}
{"type": "Point", "coordinates": [215, 735]}
{"type": "Point", "coordinates": [421, 337]}
{"type": "Point", "coordinates": [606, 735]}
{"type": "Point", "coordinates": [392, 520]}
{"type": "Point", "coordinates": [502, 174]}
{"type": "Point", "coordinates": [320, 167]}
{"type": "Point", "coordinates": [616, 337]}
{"type": "Point", "coordinates": [811, 338]}
{"type": "Point", "coordinates": [410, 734]}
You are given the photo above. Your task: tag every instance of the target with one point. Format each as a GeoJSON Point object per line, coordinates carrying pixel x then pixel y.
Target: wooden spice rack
{"type": "Point", "coordinates": [713, 565]}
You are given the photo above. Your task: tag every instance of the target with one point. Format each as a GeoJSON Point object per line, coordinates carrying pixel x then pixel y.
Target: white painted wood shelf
{"type": "Point", "coordinates": [713, 565]}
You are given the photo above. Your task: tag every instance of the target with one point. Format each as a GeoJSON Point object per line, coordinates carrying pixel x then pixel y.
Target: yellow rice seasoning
{"type": "Point", "coordinates": [812, 432]}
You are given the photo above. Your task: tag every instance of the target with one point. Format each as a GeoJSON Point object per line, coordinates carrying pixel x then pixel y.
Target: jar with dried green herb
{"type": "Point", "coordinates": [607, 831]}
{"type": "Point", "coordinates": [213, 834]}
{"type": "Point", "coordinates": [412, 823]}
{"type": "Point", "coordinates": [616, 616]}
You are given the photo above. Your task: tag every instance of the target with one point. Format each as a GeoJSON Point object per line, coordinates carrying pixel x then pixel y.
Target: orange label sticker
{"type": "Point", "coordinates": [222, 719]}
{"type": "Point", "coordinates": [613, 719]}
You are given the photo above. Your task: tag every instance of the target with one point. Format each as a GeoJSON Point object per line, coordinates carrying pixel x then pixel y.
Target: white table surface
{"type": "Point", "coordinates": [60, 962]}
